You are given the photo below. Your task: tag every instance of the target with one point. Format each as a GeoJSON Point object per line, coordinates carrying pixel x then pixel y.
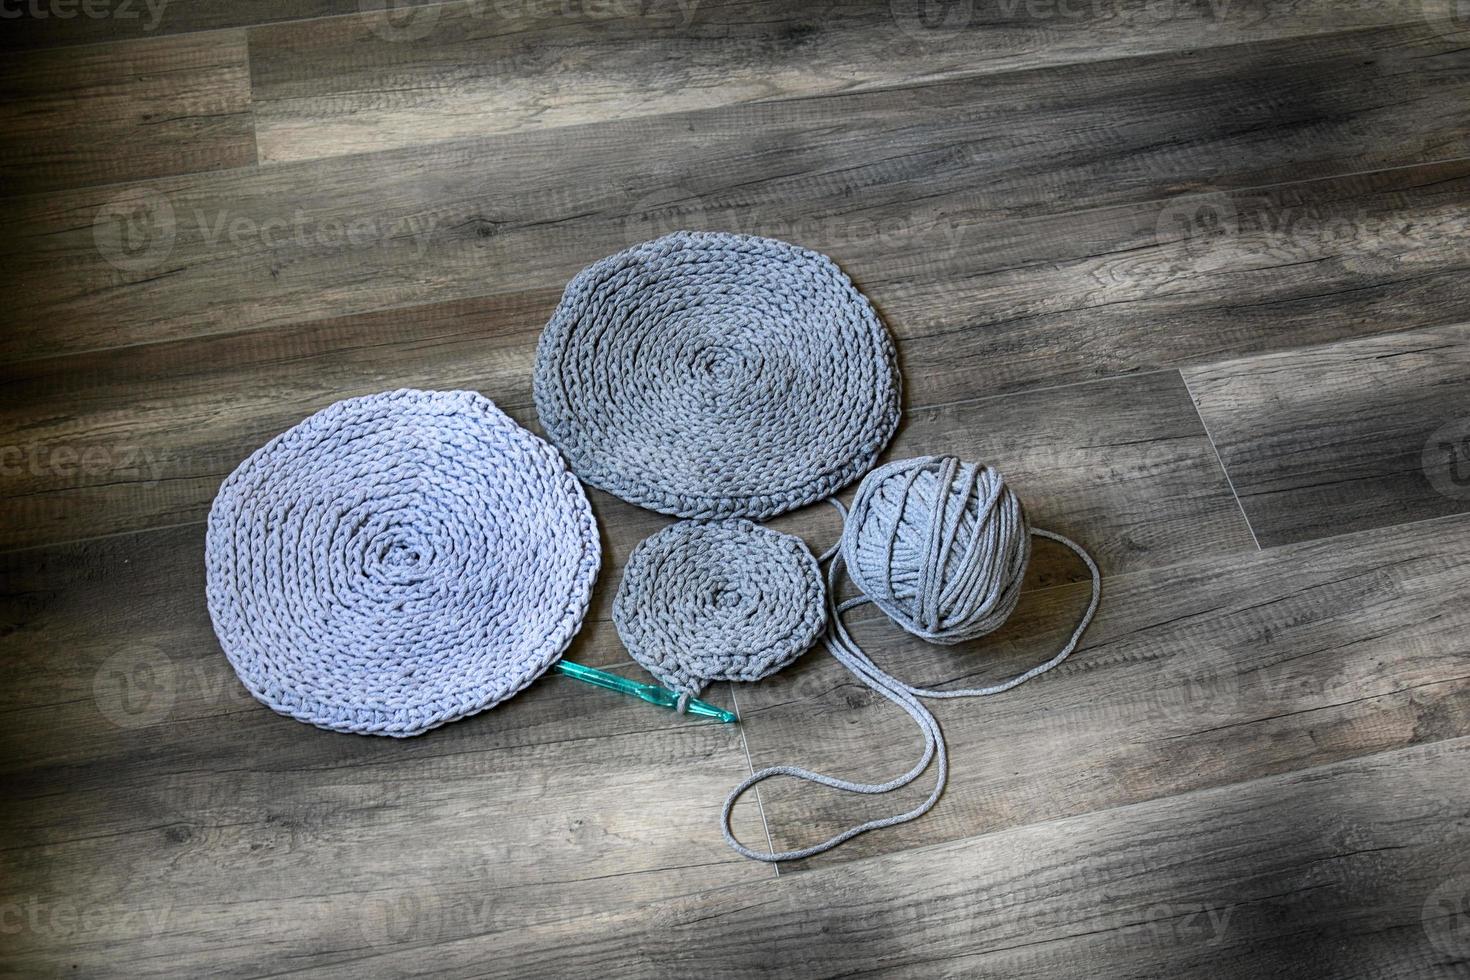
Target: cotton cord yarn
{"type": "Point", "coordinates": [941, 546]}
{"type": "Point", "coordinates": [711, 375]}
{"type": "Point", "coordinates": [728, 600]}
{"type": "Point", "coordinates": [398, 561]}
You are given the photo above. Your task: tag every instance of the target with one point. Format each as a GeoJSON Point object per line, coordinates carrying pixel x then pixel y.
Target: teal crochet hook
{"type": "Point", "coordinates": [651, 693]}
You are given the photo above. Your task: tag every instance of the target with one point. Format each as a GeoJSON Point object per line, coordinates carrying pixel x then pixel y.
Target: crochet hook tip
{"type": "Point", "coordinates": [710, 711]}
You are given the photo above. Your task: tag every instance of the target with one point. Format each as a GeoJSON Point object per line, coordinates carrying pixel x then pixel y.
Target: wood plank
{"type": "Point", "coordinates": [353, 84]}
{"type": "Point", "coordinates": [241, 250]}
{"type": "Point", "coordinates": [1364, 433]}
{"type": "Point", "coordinates": [480, 843]}
{"type": "Point", "coordinates": [491, 836]}
{"type": "Point", "coordinates": [121, 112]}
{"type": "Point", "coordinates": [1117, 465]}
{"type": "Point", "coordinates": [1123, 463]}
{"type": "Point", "coordinates": [1195, 675]}
{"type": "Point", "coordinates": [1349, 870]}
{"type": "Point", "coordinates": [149, 795]}
{"type": "Point", "coordinates": [139, 437]}
{"type": "Point", "coordinates": [1183, 281]}
{"type": "Point", "coordinates": [55, 23]}
{"type": "Point", "coordinates": [148, 438]}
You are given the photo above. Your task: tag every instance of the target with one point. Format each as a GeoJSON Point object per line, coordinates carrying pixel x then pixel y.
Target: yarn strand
{"type": "Point", "coordinates": [846, 651]}
{"type": "Point", "coordinates": [1066, 651]}
{"type": "Point", "coordinates": [997, 521]}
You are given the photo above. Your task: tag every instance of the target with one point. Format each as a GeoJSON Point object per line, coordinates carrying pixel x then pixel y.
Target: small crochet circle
{"type": "Point", "coordinates": [709, 375]}
{"type": "Point", "coordinates": [728, 601]}
{"type": "Point", "coordinates": [398, 561]}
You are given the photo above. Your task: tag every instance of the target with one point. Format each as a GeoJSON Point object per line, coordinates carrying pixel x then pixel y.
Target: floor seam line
{"type": "Point", "coordinates": [1230, 481]}
{"type": "Point", "coordinates": [745, 744]}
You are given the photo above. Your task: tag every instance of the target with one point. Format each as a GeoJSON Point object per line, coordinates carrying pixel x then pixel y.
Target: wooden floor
{"type": "Point", "coordinates": [1195, 275]}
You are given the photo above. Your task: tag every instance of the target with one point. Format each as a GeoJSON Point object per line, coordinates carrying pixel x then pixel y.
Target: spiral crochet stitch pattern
{"type": "Point", "coordinates": [728, 601]}
{"type": "Point", "coordinates": [710, 375]}
{"type": "Point", "coordinates": [398, 561]}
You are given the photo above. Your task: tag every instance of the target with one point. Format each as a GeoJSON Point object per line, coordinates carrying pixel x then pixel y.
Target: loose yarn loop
{"type": "Point", "coordinates": [941, 546]}
{"type": "Point", "coordinates": [709, 375]}
{"type": "Point", "coordinates": [728, 601]}
{"type": "Point", "coordinates": [398, 561]}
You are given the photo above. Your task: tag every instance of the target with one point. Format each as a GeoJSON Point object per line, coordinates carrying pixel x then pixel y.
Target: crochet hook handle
{"type": "Point", "coordinates": [662, 697]}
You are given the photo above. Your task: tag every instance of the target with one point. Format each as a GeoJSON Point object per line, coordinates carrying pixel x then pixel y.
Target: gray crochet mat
{"type": "Point", "coordinates": [727, 600]}
{"type": "Point", "coordinates": [711, 375]}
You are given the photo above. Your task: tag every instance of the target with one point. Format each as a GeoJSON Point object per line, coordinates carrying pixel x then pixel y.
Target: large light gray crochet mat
{"type": "Point", "coordinates": [398, 561]}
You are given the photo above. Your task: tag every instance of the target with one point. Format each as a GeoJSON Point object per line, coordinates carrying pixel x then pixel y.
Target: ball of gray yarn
{"type": "Point", "coordinates": [398, 561]}
{"type": "Point", "coordinates": [710, 375]}
{"type": "Point", "coordinates": [940, 545]}
{"type": "Point", "coordinates": [728, 600]}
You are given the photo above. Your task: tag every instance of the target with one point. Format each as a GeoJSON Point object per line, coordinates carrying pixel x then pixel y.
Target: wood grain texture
{"type": "Point", "coordinates": [1255, 765]}
{"type": "Point", "coordinates": [458, 70]}
{"type": "Point", "coordinates": [1127, 460]}
{"type": "Point", "coordinates": [1193, 675]}
{"type": "Point", "coordinates": [1125, 465]}
{"type": "Point", "coordinates": [1365, 433]}
{"type": "Point", "coordinates": [57, 23]}
{"type": "Point", "coordinates": [138, 773]}
{"type": "Point", "coordinates": [1188, 280]}
{"type": "Point", "coordinates": [121, 112]}
{"type": "Point", "coordinates": [137, 437]}
{"type": "Point", "coordinates": [149, 439]}
{"type": "Point", "coordinates": [174, 819]}
{"type": "Point", "coordinates": [1349, 870]}
{"type": "Point", "coordinates": [218, 253]}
